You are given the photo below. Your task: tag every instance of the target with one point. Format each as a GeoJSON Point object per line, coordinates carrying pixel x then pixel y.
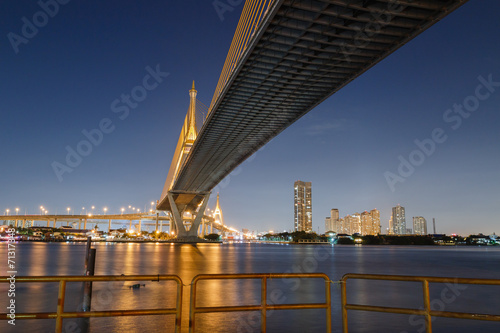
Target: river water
{"type": "Point", "coordinates": [186, 261]}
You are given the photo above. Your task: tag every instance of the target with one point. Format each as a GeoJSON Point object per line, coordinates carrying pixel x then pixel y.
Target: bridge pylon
{"type": "Point", "coordinates": [181, 205]}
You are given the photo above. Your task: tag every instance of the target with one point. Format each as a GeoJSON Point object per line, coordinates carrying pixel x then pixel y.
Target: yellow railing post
{"type": "Point", "coordinates": [263, 303]}
{"type": "Point", "coordinates": [328, 299]}
{"type": "Point", "coordinates": [343, 296]}
{"type": "Point", "coordinates": [192, 305]}
{"type": "Point", "coordinates": [178, 305]}
{"type": "Point", "coordinates": [427, 306]}
{"type": "Point", "coordinates": [60, 305]}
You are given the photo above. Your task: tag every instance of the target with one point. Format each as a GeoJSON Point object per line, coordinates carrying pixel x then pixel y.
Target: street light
{"type": "Point", "coordinates": [122, 210]}
{"type": "Point", "coordinates": [7, 210]}
{"type": "Point", "coordinates": [105, 210]}
{"type": "Point", "coordinates": [68, 210]}
{"type": "Point", "coordinates": [17, 211]}
{"type": "Point", "coordinates": [41, 210]}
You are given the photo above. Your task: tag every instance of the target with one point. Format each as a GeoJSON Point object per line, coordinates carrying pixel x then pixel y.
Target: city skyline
{"type": "Point", "coordinates": [372, 144]}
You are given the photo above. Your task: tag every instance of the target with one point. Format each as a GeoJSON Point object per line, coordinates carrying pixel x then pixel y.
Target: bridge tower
{"type": "Point", "coordinates": [184, 205]}
{"type": "Point", "coordinates": [218, 216]}
{"type": "Point", "coordinates": [218, 212]}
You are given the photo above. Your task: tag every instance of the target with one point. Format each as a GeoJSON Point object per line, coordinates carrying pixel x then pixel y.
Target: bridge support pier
{"type": "Point", "coordinates": [203, 224]}
{"type": "Point", "coordinates": [156, 225]}
{"type": "Point", "coordinates": [184, 203]}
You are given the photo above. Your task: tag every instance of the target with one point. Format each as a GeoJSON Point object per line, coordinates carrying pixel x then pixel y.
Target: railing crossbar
{"type": "Point", "coordinates": [427, 312]}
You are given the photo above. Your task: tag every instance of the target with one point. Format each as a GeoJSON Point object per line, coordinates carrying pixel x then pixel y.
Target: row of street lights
{"type": "Point", "coordinates": [8, 210]}
{"type": "Point", "coordinates": [44, 211]}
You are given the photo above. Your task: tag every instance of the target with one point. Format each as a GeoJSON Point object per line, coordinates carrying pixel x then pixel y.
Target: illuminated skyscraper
{"type": "Point", "coordinates": [332, 223]}
{"type": "Point", "coordinates": [343, 227]}
{"type": "Point", "coordinates": [328, 224]}
{"type": "Point", "coordinates": [356, 223]}
{"type": "Point", "coordinates": [366, 223]}
{"type": "Point", "coordinates": [302, 206]}
{"type": "Point", "coordinates": [375, 213]}
{"type": "Point", "coordinates": [398, 220]}
{"type": "Point", "coordinates": [419, 225]}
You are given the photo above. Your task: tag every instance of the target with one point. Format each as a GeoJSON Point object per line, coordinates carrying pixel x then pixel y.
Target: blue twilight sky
{"type": "Point", "coordinates": [65, 77]}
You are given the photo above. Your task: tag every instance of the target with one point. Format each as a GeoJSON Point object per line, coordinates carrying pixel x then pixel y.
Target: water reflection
{"type": "Point", "coordinates": [186, 261]}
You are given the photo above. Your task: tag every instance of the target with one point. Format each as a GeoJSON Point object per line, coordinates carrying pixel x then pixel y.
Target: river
{"type": "Point", "coordinates": [187, 261]}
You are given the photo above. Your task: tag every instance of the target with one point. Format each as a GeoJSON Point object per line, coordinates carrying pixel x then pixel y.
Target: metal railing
{"type": "Point", "coordinates": [427, 312]}
{"type": "Point", "coordinates": [60, 314]}
{"type": "Point", "coordinates": [264, 306]}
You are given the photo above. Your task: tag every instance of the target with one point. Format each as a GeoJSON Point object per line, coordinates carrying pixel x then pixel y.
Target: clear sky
{"type": "Point", "coordinates": [68, 72]}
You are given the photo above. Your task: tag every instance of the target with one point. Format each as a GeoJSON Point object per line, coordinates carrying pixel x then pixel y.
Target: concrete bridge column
{"type": "Point", "coordinates": [130, 227]}
{"type": "Point", "coordinates": [55, 220]}
{"type": "Point", "coordinates": [156, 225]}
{"type": "Point", "coordinates": [85, 224]}
{"type": "Point", "coordinates": [109, 226]}
{"type": "Point", "coordinates": [48, 223]}
{"type": "Point", "coordinates": [24, 223]}
{"type": "Point", "coordinates": [177, 211]}
{"type": "Point", "coordinates": [140, 221]}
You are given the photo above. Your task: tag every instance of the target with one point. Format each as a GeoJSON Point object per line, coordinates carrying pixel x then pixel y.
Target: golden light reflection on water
{"type": "Point", "coordinates": [187, 261]}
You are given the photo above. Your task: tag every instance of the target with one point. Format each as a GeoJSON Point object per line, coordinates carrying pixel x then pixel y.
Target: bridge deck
{"type": "Point", "coordinates": [303, 52]}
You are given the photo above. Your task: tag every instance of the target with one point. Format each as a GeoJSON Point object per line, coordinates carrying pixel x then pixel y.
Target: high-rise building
{"type": "Point", "coordinates": [328, 224]}
{"type": "Point", "coordinates": [419, 225]}
{"type": "Point", "coordinates": [356, 223]}
{"type": "Point", "coordinates": [343, 227]}
{"type": "Point", "coordinates": [375, 213]}
{"type": "Point", "coordinates": [334, 220]}
{"type": "Point", "coordinates": [302, 206]}
{"type": "Point", "coordinates": [366, 224]}
{"type": "Point", "coordinates": [398, 220]}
